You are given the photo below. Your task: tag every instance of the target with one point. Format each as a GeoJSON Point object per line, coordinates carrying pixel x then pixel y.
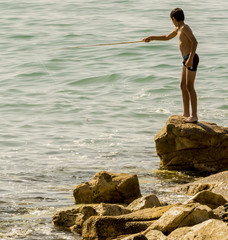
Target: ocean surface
{"type": "Point", "coordinates": [67, 113]}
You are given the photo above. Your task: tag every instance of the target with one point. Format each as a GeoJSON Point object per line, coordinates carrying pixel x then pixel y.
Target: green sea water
{"type": "Point", "coordinates": [68, 113]}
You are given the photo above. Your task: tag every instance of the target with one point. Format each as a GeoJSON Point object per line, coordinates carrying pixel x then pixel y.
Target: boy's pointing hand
{"type": "Point", "coordinates": [147, 39]}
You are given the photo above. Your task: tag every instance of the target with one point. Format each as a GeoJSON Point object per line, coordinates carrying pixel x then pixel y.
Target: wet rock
{"type": "Point", "coordinates": [108, 188]}
{"type": "Point", "coordinates": [144, 202]}
{"type": "Point", "coordinates": [65, 219]}
{"type": "Point", "coordinates": [201, 147]}
{"type": "Point", "coordinates": [181, 216]}
{"type": "Point", "coordinates": [208, 198]}
{"type": "Point", "coordinates": [211, 229]}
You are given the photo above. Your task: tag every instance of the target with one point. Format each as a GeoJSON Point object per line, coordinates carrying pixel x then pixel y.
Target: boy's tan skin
{"type": "Point", "coordinates": [187, 45]}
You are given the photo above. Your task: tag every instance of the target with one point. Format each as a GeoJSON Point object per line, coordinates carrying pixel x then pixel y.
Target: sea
{"type": "Point", "coordinates": [67, 113]}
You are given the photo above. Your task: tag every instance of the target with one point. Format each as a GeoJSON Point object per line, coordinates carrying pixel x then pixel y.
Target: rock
{"type": "Point", "coordinates": [200, 147]}
{"type": "Point", "coordinates": [110, 227]}
{"type": "Point", "coordinates": [137, 236]}
{"type": "Point", "coordinates": [65, 219]}
{"type": "Point", "coordinates": [209, 230]}
{"type": "Point", "coordinates": [208, 198]}
{"type": "Point", "coordinates": [114, 226]}
{"type": "Point", "coordinates": [105, 209]}
{"type": "Point", "coordinates": [73, 219]}
{"type": "Point", "coordinates": [216, 183]}
{"type": "Point", "coordinates": [85, 212]}
{"type": "Point", "coordinates": [144, 202]}
{"type": "Point", "coordinates": [222, 212]}
{"type": "Point", "coordinates": [181, 216]}
{"type": "Point", "coordinates": [108, 188]}
{"type": "Point", "coordinates": [155, 235]}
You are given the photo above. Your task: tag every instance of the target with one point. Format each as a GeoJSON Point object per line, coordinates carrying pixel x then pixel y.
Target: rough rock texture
{"type": "Point", "coordinates": [104, 227]}
{"type": "Point", "coordinates": [201, 147]}
{"type": "Point", "coordinates": [208, 198]}
{"type": "Point", "coordinates": [73, 219]}
{"type": "Point", "coordinates": [113, 226]}
{"type": "Point", "coordinates": [181, 216]}
{"type": "Point", "coordinates": [148, 201]}
{"type": "Point", "coordinates": [209, 230]}
{"type": "Point", "coordinates": [222, 212]}
{"type": "Point", "coordinates": [155, 235]}
{"type": "Point", "coordinates": [217, 183]}
{"type": "Point", "coordinates": [108, 188]}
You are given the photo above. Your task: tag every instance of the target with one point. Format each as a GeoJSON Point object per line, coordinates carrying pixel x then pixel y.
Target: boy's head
{"type": "Point", "coordinates": [177, 14]}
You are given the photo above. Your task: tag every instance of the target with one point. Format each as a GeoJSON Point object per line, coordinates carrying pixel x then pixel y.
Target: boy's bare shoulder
{"type": "Point", "coordinates": [186, 28]}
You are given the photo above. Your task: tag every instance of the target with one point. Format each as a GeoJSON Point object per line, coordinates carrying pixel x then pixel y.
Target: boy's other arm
{"type": "Point", "coordinates": [188, 32]}
{"type": "Point", "coordinates": [161, 37]}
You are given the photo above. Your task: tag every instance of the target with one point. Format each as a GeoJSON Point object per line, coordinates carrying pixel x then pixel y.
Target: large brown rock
{"type": "Point", "coordinates": [102, 227]}
{"type": "Point", "coordinates": [208, 198]}
{"type": "Point", "coordinates": [216, 183]}
{"type": "Point", "coordinates": [108, 188]}
{"type": "Point", "coordinates": [202, 146]}
{"type": "Point", "coordinates": [209, 230]}
{"type": "Point", "coordinates": [181, 216]}
{"type": "Point", "coordinates": [73, 219]}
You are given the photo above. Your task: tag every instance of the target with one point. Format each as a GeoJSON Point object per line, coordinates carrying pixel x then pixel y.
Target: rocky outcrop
{"type": "Point", "coordinates": [144, 218]}
{"type": "Point", "coordinates": [102, 227]}
{"type": "Point", "coordinates": [108, 188]}
{"type": "Point", "coordinates": [201, 147]}
{"type": "Point", "coordinates": [216, 183]}
{"type": "Point", "coordinates": [211, 229]}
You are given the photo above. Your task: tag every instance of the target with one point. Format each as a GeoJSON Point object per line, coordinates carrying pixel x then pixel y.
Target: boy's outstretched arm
{"type": "Point", "coordinates": [161, 37]}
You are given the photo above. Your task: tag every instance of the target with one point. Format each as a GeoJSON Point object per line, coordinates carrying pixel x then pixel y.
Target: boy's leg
{"type": "Point", "coordinates": [185, 95]}
{"type": "Point", "coordinates": [190, 78]}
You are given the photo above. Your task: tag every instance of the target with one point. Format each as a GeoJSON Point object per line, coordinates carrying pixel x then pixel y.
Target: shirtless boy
{"type": "Point", "coordinates": [187, 45]}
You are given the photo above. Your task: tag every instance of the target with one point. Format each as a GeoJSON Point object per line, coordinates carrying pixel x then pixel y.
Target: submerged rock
{"type": "Point", "coordinates": [108, 188]}
{"type": "Point", "coordinates": [201, 147]}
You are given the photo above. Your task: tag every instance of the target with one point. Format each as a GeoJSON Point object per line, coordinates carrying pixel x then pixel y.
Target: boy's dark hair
{"type": "Point", "coordinates": [178, 14]}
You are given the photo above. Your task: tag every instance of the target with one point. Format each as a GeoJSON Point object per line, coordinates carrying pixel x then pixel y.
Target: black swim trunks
{"type": "Point", "coordinates": [195, 62]}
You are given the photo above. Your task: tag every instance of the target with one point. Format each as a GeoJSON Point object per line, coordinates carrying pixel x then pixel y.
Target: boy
{"type": "Point", "coordinates": [187, 45]}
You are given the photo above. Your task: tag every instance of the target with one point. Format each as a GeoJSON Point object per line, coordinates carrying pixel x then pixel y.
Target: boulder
{"type": "Point", "coordinates": [65, 219]}
{"type": "Point", "coordinates": [110, 227]}
{"type": "Point", "coordinates": [201, 147]}
{"type": "Point", "coordinates": [108, 188]}
{"type": "Point", "coordinates": [208, 198]}
{"type": "Point", "coordinates": [216, 183]}
{"type": "Point", "coordinates": [211, 230]}
{"type": "Point", "coordinates": [148, 201]}
{"type": "Point", "coordinates": [181, 216]}
{"type": "Point", "coordinates": [73, 219]}
{"type": "Point", "coordinates": [101, 227]}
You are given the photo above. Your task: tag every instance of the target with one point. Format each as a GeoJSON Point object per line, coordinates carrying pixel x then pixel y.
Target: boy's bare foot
{"type": "Point", "coordinates": [191, 120]}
